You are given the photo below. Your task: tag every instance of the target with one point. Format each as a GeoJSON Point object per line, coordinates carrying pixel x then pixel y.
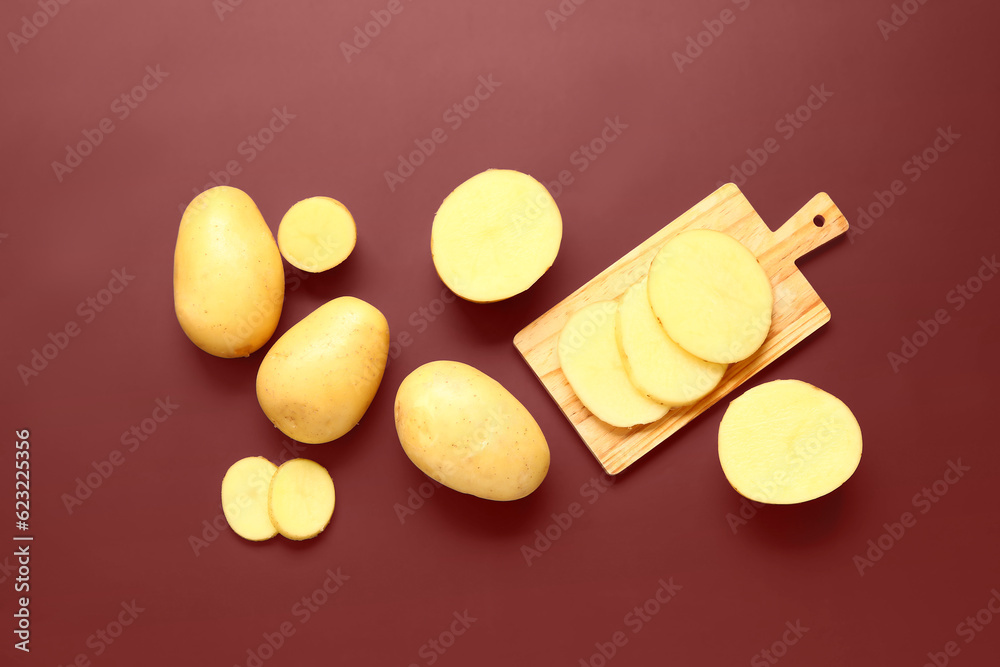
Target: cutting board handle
{"type": "Point", "coordinates": [814, 224]}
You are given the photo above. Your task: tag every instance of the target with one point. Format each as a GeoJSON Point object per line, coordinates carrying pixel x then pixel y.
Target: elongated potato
{"type": "Point", "coordinates": [318, 379]}
{"type": "Point", "coordinates": [317, 234]}
{"type": "Point", "coordinates": [244, 498]}
{"type": "Point", "coordinates": [495, 235]}
{"type": "Point", "coordinates": [658, 367]}
{"type": "Point", "coordinates": [593, 366]}
{"type": "Point", "coordinates": [300, 499]}
{"type": "Point", "coordinates": [465, 430]}
{"type": "Point", "coordinates": [229, 283]}
{"type": "Point", "coordinates": [711, 295]}
{"type": "Point", "coordinates": [787, 441]}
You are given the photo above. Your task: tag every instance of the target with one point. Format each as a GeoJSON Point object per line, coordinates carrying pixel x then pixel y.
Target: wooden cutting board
{"type": "Point", "coordinates": [798, 311]}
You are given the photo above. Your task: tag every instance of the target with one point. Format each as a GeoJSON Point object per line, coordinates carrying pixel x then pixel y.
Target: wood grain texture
{"type": "Point", "coordinates": [798, 311]}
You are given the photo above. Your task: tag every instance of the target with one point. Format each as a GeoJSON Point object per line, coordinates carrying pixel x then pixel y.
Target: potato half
{"type": "Point", "coordinates": [656, 365]}
{"type": "Point", "coordinates": [592, 363]}
{"type": "Point", "coordinates": [244, 498]}
{"type": "Point", "coordinates": [787, 442]}
{"type": "Point", "coordinates": [317, 234]}
{"type": "Point", "coordinates": [495, 235]}
{"type": "Point", "coordinates": [300, 499]}
{"type": "Point", "coordinates": [711, 295]}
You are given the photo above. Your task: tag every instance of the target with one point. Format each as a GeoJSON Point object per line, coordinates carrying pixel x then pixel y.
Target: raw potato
{"type": "Point", "coordinates": [244, 498]}
{"type": "Point", "coordinates": [229, 283]}
{"type": "Point", "coordinates": [318, 379]}
{"type": "Point", "coordinates": [787, 441]}
{"type": "Point", "coordinates": [300, 499]}
{"type": "Point", "coordinates": [711, 295]}
{"type": "Point", "coordinates": [592, 363]}
{"type": "Point", "coordinates": [465, 430]}
{"type": "Point", "coordinates": [317, 234]}
{"type": "Point", "coordinates": [495, 235]}
{"type": "Point", "coordinates": [658, 367]}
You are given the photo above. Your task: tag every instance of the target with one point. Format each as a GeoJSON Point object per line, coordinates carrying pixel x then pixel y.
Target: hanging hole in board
{"type": "Point", "coordinates": [819, 221]}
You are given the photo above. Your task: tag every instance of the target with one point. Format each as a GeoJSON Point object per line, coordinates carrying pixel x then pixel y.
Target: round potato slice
{"type": "Point", "coordinates": [495, 235]}
{"type": "Point", "coordinates": [786, 442]}
{"type": "Point", "coordinates": [244, 498]}
{"type": "Point", "coordinates": [658, 367]}
{"type": "Point", "coordinates": [300, 499]}
{"type": "Point", "coordinates": [317, 234]}
{"type": "Point", "coordinates": [711, 295]}
{"type": "Point", "coordinates": [592, 363]}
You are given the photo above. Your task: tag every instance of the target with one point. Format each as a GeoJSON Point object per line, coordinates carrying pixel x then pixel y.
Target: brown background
{"type": "Point", "coordinates": [669, 515]}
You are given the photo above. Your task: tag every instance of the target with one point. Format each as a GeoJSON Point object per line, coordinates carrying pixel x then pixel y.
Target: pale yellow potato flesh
{"type": "Point", "coordinates": [711, 295]}
{"type": "Point", "coordinates": [495, 235]}
{"type": "Point", "coordinates": [244, 498]}
{"type": "Point", "coordinates": [317, 380]}
{"type": "Point", "coordinates": [786, 442]}
{"type": "Point", "coordinates": [593, 366]}
{"type": "Point", "coordinates": [658, 367]}
{"type": "Point", "coordinates": [300, 499]}
{"type": "Point", "coordinates": [229, 282]}
{"type": "Point", "coordinates": [465, 430]}
{"type": "Point", "coordinates": [317, 234]}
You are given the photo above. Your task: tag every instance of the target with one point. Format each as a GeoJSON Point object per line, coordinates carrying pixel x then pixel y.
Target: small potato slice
{"type": "Point", "coordinates": [300, 499]}
{"type": "Point", "coordinates": [787, 442]}
{"type": "Point", "coordinates": [711, 295]}
{"type": "Point", "coordinates": [317, 234]}
{"type": "Point", "coordinates": [244, 498]}
{"type": "Point", "coordinates": [658, 367]}
{"type": "Point", "coordinates": [592, 363]}
{"type": "Point", "coordinates": [495, 235]}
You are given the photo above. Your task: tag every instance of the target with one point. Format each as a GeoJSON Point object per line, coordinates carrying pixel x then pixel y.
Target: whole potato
{"type": "Point", "coordinates": [229, 283]}
{"type": "Point", "coordinates": [464, 429]}
{"type": "Point", "coordinates": [318, 379]}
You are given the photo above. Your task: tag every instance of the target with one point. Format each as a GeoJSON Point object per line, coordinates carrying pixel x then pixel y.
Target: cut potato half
{"type": "Point", "coordinates": [495, 235]}
{"type": "Point", "coordinates": [658, 367]}
{"type": "Point", "coordinates": [589, 356]}
{"type": "Point", "coordinates": [244, 498]}
{"type": "Point", "coordinates": [787, 442]}
{"type": "Point", "coordinates": [711, 295]}
{"type": "Point", "coordinates": [300, 499]}
{"type": "Point", "coordinates": [317, 234]}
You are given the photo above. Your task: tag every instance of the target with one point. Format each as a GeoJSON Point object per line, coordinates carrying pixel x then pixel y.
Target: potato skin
{"type": "Point", "coordinates": [229, 282]}
{"type": "Point", "coordinates": [464, 429]}
{"type": "Point", "coordinates": [318, 379]}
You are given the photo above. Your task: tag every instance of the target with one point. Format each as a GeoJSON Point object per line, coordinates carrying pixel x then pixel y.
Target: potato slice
{"type": "Point", "coordinates": [787, 442]}
{"type": "Point", "coordinates": [495, 235]}
{"type": "Point", "coordinates": [300, 499]}
{"type": "Point", "coordinates": [244, 498]}
{"type": "Point", "coordinates": [589, 356]}
{"type": "Point", "coordinates": [317, 234]}
{"type": "Point", "coordinates": [711, 295]}
{"type": "Point", "coordinates": [658, 367]}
